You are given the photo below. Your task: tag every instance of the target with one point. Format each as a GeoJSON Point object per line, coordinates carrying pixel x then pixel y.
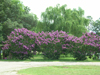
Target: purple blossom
{"type": "Point", "coordinates": [55, 51]}
{"type": "Point", "coordinates": [20, 43]}
{"type": "Point", "coordinates": [33, 45]}
{"type": "Point", "coordinates": [25, 53]}
{"type": "Point", "coordinates": [25, 47]}
{"type": "Point", "coordinates": [63, 47]}
{"type": "Point", "coordinates": [51, 39]}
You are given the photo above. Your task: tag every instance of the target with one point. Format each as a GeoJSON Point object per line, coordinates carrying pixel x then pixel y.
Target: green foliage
{"type": "Point", "coordinates": [51, 51]}
{"type": "Point", "coordinates": [61, 18]}
{"type": "Point", "coordinates": [9, 26]}
{"type": "Point", "coordinates": [13, 15]}
{"type": "Point", "coordinates": [96, 27]}
{"type": "Point", "coordinates": [1, 39]}
{"type": "Point", "coordinates": [29, 20]}
{"type": "Point", "coordinates": [79, 56]}
{"type": "Point", "coordinates": [90, 27]}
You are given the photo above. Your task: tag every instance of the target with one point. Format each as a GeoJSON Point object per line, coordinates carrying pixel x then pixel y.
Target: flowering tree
{"type": "Point", "coordinates": [21, 43]}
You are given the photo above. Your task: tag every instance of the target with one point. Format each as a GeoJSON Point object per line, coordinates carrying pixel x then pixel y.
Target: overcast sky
{"type": "Point", "coordinates": [91, 7]}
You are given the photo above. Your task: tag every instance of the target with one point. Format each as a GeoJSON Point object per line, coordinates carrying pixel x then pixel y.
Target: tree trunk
{"type": "Point", "coordinates": [0, 52]}
{"type": "Point", "coordinates": [3, 54]}
{"type": "Point", "coordinates": [10, 55]}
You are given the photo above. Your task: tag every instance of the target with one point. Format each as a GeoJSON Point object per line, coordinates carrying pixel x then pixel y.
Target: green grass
{"type": "Point", "coordinates": [39, 58]}
{"type": "Point", "coordinates": [62, 70]}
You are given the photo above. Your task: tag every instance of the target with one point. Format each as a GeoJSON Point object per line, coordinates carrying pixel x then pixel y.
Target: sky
{"type": "Point", "coordinates": [90, 7]}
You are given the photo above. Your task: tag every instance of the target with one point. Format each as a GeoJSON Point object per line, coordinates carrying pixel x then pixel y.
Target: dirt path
{"type": "Point", "coordinates": [11, 68]}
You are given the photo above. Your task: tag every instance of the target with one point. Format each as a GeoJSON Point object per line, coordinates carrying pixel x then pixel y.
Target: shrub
{"type": "Point", "coordinates": [50, 44]}
{"type": "Point", "coordinates": [20, 43]}
{"type": "Point", "coordinates": [88, 43]}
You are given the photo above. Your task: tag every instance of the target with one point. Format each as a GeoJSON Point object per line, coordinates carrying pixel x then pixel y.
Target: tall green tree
{"type": "Point", "coordinates": [2, 14]}
{"type": "Point", "coordinates": [96, 27]}
{"type": "Point", "coordinates": [9, 26]}
{"type": "Point", "coordinates": [62, 18]}
{"type": "Point", "coordinates": [10, 12]}
{"type": "Point", "coordinates": [91, 23]}
{"type": "Point", "coordinates": [29, 20]}
{"type": "Point", "coordinates": [13, 14]}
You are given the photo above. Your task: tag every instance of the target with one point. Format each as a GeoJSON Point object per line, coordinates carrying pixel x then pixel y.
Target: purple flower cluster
{"type": "Point", "coordinates": [20, 41]}
{"type": "Point", "coordinates": [24, 41]}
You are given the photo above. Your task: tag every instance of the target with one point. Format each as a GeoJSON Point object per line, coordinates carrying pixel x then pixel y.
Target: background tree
{"type": "Point", "coordinates": [9, 26]}
{"type": "Point", "coordinates": [11, 10]}
{"type": "Point", "coordinates": [96, 27]}
{"type": "Point", "coordinates": [13, 14]}
{"type": "Point", "coordinates": [29, 20]}
{"type": "Point", "coordinates": [2, 14]}
{"type": "Point", "coordinates": [62, 18]}
{"type": "Point", "coordinates": [91, 23]}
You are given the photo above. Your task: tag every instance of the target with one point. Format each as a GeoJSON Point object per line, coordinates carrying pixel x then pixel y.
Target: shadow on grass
{"type": "Point", "coordinates": [42, 60]}
{"type": "Point", "coordinates": [38, 58]}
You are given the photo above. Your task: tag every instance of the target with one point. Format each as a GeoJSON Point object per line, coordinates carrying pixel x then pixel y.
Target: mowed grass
{"type": "Point", "coordinates": [62, 70]}
{"type": "Point", "coordinates": [39, 58]}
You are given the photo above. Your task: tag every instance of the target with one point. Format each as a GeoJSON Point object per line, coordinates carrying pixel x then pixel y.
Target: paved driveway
{"type": "Point", "coordinates": [11, 68]}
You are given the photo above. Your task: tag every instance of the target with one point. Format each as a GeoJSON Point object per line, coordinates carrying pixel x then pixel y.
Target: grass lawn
{"type": "Point", "coordinates": [39, 58]}
{"type": "Point", "coordinates": [62, 70]}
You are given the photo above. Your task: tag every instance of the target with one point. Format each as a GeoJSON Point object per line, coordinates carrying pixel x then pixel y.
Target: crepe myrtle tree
{"type": "Point", "coordinates": [21, 42]}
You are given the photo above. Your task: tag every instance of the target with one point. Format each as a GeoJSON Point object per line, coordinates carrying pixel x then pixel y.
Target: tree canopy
{"type": "Point", "coordinates": [13, 14]}
{"type": "Point", "coordinates": [62, 18]}
{"type": "Point", "coordinates": [95, 26]}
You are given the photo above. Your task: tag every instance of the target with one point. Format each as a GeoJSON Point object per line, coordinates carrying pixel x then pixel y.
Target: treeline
{"type": "Point", "coordinates": [14, 15]}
